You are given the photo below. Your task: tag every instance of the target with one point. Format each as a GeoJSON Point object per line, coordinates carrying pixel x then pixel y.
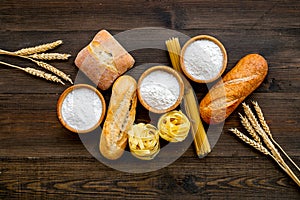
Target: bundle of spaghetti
{"type": "Point", "coordinates": [200, 139]}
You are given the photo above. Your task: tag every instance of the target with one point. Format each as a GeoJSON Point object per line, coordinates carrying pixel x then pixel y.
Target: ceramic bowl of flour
{"type": "Point", "coordinates": [160, 89]}
{"type": "Point", "coordinates": [203, 59]}
{"type": "Point", "coordinates": [81, 108]}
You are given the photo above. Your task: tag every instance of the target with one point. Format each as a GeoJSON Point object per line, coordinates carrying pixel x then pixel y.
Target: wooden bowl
{"type": "Point", "coordinates": [203, 37]}
{"type": "Point", "coordinates": [170, 71]}
{"type": "Point", "coordinates": [62, 98]}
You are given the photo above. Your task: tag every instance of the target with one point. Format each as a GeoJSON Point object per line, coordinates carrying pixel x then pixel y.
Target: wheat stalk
{"type": "Point", "coordinates": [43, 74]}
{"type": "Point", "coordinates": [252, 143]}
{"type": "Point", "coordinates": [42, 56]}
{"type": "Point", "coordinates": [267, 130]}
{"type": "Point", "coordinates": [251, 121]}
{"type": "Point", "coordinates": [249, 128]}
{"type": "Point", "coordinates": [39, 48]}
{"type": "Point", "coordinates": [261, 132]}
{"type": "Point", "coordinates": [43, 64]}
{"type": "Point", "coordinates": [50, 56]}
{"type": "Point", "coordinates": [4, 52]}
{"type": "Point", "coordinates": [53, 70]}
{"type": "Point", "coordinates": [36, 72]}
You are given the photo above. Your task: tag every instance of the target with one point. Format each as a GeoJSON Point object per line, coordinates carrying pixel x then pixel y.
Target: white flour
{"type": "Point", "coordinates": [82, 109]}
{"type": "Point", "coordinates": [160, 89]}
{"type": "Point", "coordinates": [203, 59]}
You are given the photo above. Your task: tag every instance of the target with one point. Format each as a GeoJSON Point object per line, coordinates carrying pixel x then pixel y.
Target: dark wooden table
{"type": "Point", "coordinates": [39, 159]}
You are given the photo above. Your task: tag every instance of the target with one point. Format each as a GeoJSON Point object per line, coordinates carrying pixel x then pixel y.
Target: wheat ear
{"type": "Point", "coordinates": [267, 130]}
{"type": "Point", "coordinates": [249, 128]}
{"type": "Point", "coordinates": [38, 49]}
{"type": "Point", "coordinates": [53, 70]}
{"type": "Point", "coordinates": [261, 118]}
{"type": "Point", "coordinates": [50, 56]}
{"type": "Point", "coordinates": [249, 141]}
{"type": "Point", "coordinates": [36, 72]}
{"type": "Point", "coordinates": [42, 74]}
{"type": "Point", "coordinates": [261, 132]}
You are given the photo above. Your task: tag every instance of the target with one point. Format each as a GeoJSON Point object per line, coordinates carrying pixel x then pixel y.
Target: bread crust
{"type": "Point", "coordinates": [225, 96]}
{"type": "Point", "coordinates": [120, 117]}
{"type": "Point", "coordinates": [103, 71]}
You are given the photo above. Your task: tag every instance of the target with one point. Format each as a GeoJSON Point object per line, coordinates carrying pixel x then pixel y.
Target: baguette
{"type": "Point", "coordinates": [225, 96]}
{"type": "Point", "coordinates": [120, 118]}
{"type": "Point", "coordinates": [104, 60]}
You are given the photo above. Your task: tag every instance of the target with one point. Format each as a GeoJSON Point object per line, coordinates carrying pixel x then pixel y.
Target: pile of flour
{"type": "Point", "coordinates": [160, 89]}
{"type": "Point", "coordinates": [203, 59]}
{"type": "Point", "coordinates": [82, 109]}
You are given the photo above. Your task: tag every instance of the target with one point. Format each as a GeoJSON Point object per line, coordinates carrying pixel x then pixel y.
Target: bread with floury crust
{"type": "Point", "coordinates": [120, 118]}
{"type": "Point", "coordinates": [104, 60]}
{"type": "Point", "coordinates": [225, 96]}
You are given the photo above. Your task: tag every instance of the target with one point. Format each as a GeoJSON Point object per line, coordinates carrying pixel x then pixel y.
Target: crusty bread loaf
{"type": "Point", "coordinates": [104, 60]}
{"type": "Point", "coordinates": [120, 117]}
{"type": "Point", "coordinates": [224, 97]}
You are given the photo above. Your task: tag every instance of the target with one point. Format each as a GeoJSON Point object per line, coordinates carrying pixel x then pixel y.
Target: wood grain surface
{"type": "Point", "coordinates": [39, 159]}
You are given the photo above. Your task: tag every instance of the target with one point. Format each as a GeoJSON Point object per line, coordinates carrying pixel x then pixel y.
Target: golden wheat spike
{"type": "Point", "coordinates": [50, 56]}
{"type": "Point", "coordinates": [252, 143]}
{"type": "Point", "coordinates": [53, 70]}
{"type": "Point", "coordinates": [245, 122]}
{"type": "Point", "coordinates": [38, 49]}
{"type": "Point", "coordinates": [36, 72]}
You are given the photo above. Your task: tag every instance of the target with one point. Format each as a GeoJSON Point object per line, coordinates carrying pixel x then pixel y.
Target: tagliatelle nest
{"type": "Point", "coordinates": [144, 141]}
{"type": "Point", "coordinates": [173, 126]}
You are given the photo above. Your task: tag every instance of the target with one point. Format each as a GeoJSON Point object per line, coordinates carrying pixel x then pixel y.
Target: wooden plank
{"type": "Point", "coordinates": [92, 15]}
{"type": "Point", "coordinates": [54, 178]}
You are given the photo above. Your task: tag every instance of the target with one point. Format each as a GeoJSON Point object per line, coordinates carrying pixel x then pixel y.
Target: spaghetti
{"type": "Point", "coordinates": [200, 139]}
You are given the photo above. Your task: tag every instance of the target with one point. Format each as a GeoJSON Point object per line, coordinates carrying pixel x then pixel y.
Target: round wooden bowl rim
{"type": "Point", "coordinates": [169, 70]}
{"type": "Point", "coordinates": [203, 37]}
{"type": "Point", "coordinates": [63, 96]}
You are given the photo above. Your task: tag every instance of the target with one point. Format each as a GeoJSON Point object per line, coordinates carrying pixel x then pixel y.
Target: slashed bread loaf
{"type": "Point", "coordinates": [120, 117]}
{"type": "Point", "coordinates": [225, 96]}
{"type": "Point", "coordinates": [104, 60]}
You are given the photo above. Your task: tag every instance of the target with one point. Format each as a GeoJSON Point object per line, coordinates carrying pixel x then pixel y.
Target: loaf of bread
{"type": "Point", "coordinates": [120, 117]}
{"type": "Point", "coordinates": [104, 60]}
{"type": "Point", "coordinates": [224, 97]}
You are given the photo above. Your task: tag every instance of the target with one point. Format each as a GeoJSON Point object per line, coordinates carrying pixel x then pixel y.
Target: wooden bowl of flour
{"type": "Point", "coordinates": [81, 108]}
{"type": "Point", "coordinates": [203, 59]}
{"type": "Point", "coordinates": [160, 89]}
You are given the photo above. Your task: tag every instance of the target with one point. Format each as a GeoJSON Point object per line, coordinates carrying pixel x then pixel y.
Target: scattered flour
{"type": "Point", "coordinates": [81, 109]}
{"type": "Point", "coordinates": [203, 59]}
{"type": "Point", "coordinates": [160, 89]}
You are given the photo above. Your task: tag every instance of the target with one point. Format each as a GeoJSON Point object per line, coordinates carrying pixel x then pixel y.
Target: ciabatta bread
{"type": "Point", "coordinates": [224, 97]}
{"type": "Point", "coordinates": [104, 60]}
{"type": "Point", "coordinates": [120, 117]}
